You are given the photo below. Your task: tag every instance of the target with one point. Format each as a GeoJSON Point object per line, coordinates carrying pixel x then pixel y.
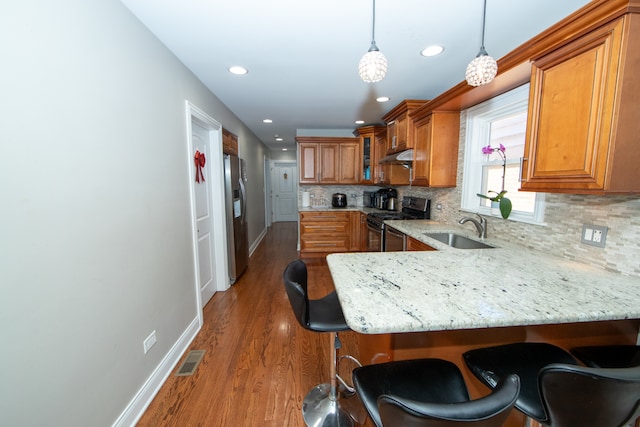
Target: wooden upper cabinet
{"type": "Point", "coordinates": [329, 164]}
{"type": "Point", "coordinates": [399, 127]}
{"type": "Point", "coordinates": [349, 170]}
{"type": "Point", "coordinates": [435, 151]}
{"type": "Point", "coordinates": [328, 160]}
{"type": "Point", "coordinates": [372, 148]}
{"type": "Point", "coordinates": [308, 159]}
{"type": "Point", "coordinates": [584, 121]}
{"type": "Point", "coordinates": [229, 142]}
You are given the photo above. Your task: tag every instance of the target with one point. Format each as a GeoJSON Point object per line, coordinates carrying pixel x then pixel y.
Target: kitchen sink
{"type": "Point", "coordinates": [457, 241]}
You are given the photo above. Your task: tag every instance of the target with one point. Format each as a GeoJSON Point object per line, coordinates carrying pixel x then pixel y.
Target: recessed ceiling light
{"type": "Point", "coordinates": [240, 71]}
{"type": "Point", "coordinates": [359, 122]}
{"type": "Point", "coordinates": [279, 139]}
{"type": "Point", "coordinates": [383, 99]}
{"type": "Point", "coordinates": [267, 121]}
{"type": "Point", "coordinates": [432, 50]}
{"type": "Point", "coordinates": [284, 149]}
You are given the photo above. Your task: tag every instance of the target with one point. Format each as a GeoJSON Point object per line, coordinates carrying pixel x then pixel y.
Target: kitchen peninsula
{"type": "Point", "coordinates": [444, 302]}
{"type": "Point", "coordinates": [389, 292]}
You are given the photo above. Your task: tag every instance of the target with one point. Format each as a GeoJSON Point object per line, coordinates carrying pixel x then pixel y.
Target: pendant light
{"type": "Point", "coordinates": [373, 65]}
{"type": "Point", "coordinates": [483, 68]}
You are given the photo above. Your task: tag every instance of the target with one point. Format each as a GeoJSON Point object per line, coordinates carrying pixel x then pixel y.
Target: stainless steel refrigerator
{"type": "Point", "coordinates": [236, 213]}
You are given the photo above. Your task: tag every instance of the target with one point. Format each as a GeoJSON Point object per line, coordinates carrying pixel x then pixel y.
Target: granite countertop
{"type": "Point", "coordinates": [388, 292]}
{"type": "Point", "coordinates": [327, 209]}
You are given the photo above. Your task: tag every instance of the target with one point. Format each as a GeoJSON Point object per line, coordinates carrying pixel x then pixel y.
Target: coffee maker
{"type": "Point", "coordinates": [387, 199]}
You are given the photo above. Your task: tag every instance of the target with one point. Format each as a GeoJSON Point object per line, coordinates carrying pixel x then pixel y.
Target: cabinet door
{"type": "Point", "coordinates": [364, 232]}
{"type": "Point", "coordinates": [349, 172]}
{"type": "Point", "coordinates": [378, 152]}
{"type": "Point", "coordinates": [397, 134]}
{"type": "Point", "coordinates": [402, 132]}
{"type": "Point", "coordinates": [308, 163]}
{"type": "Point", "coordinates": [367, 148]}
{"type": "Point", "coordinates": [417, 245]}
{"type": "Point", "coordinates": [329, 163]}
{"type": "Point", "coordinates": [392, 136]}
{"type": "Point", "coordinates": [436, 140]}
{"type": "Point", "coordinates": [571, 105]}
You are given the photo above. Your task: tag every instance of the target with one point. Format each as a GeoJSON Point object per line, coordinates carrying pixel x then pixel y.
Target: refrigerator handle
{"type": "Point", "coordinates": [244, 201]}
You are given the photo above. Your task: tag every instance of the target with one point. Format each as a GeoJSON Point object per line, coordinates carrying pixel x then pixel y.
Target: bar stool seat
{"type": "Point", "coordinates": [491, 364]}
{"type": "Point", "coordinates": [429, 392]}
{"type": "Point", "coordinates": [555, 390]}
{"type": "Point", "coordinates": [608, 356]}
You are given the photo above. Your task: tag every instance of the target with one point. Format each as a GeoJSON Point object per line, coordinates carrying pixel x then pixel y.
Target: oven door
{"type": "Point", "coordinates": [394, 240]}
{"type": "Point", "coordinates": [374, 238]}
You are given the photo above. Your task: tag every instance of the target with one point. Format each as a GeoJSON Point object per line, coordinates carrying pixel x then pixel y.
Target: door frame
{"type": "Point", "coordinates": [268, 208]}
{"type": "Point", "coordinates": [214, 167]}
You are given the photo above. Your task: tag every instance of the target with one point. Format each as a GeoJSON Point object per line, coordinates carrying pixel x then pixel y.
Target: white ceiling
{"type": "Point", "coordinates": [302, 55]}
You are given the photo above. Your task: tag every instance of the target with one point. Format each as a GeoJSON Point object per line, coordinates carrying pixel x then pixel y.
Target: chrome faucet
{"type": "Point", "coordinates": [481, 225]}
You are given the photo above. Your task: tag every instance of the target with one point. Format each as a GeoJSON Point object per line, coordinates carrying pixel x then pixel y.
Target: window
{"type": "Point", "coordinates": [501, 120]}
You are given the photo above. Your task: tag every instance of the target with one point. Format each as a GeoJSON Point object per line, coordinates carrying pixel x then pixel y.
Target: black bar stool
{"type": "Point", "coordinates": [321, 406]}
{"type": "Point", "coordinates": [555, 390]}
{"type": "Point", "coordinates": [429, 393]}
{"type": "Point", "coordinates": [608, 356]}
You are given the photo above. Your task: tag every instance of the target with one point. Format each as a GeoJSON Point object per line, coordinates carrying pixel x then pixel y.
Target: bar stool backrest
{"type": "Point", "coordinates": [584, 396]}
{"type": "Point", "coordinates": [489, 411]}
{"type": "Point", "coordinates": [295, 283]}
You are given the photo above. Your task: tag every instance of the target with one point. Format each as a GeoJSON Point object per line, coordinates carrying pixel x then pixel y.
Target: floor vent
{"type": "Point", "coordinates": [190, 363]}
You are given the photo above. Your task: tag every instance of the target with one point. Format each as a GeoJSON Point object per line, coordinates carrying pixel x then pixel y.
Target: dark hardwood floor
{"type": "Point", "coordinates": [259, 362]}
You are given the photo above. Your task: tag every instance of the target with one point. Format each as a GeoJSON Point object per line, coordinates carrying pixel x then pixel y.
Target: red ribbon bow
{"type": "Point", "coordinates": [199, 161]}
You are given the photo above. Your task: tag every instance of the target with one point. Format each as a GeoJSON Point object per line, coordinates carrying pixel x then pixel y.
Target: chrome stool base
{"type": "Point", "coordinates": [319, 409]}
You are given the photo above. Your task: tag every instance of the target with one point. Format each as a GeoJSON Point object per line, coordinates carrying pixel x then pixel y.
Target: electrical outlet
{"type": "Point", "coordinates": [594, 235]}
{"type": "Point", "coordinates": [149, 342]}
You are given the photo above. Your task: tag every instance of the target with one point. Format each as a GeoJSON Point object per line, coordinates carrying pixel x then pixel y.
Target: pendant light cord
{"type": "Point", "coordinates": [484, 17]}
{"type": "Point", "coordinates": [373, 25]}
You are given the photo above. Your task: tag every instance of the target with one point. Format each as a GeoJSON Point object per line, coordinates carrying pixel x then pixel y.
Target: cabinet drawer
{"type": "Point", "coordinates": [324, 228]}
{"type": "Point", "coordinates": [324, 216]}
{"type": "Point", "coordinates": [327, 244]}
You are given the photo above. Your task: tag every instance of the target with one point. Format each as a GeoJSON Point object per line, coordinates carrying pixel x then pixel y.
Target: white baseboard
{"type": "Point", "coordinates": [134, 410]}
{"type": "Point", "coordinates": [257, 242]}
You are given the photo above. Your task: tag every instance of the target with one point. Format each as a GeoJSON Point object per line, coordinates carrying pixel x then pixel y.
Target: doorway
{"type": "Point", "coordinates": [284, 183]}
{"type": "Point", "coordinates": [206, 190]}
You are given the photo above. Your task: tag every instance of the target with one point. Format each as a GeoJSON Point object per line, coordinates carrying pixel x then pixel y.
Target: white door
{"type": "Point", "coordinates": [285, 191]}
{"type": "Point", "coordinates": [204, 217]}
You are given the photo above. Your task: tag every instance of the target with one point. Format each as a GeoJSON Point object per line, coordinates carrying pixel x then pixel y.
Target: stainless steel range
{"type": "Point", "coordinates": [412, 208]}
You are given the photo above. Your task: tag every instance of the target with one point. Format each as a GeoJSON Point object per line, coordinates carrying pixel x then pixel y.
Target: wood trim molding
{"type": "Point", "coordinates": [514, 68]}
{"type": "Point", "coordinates": [326, 139]}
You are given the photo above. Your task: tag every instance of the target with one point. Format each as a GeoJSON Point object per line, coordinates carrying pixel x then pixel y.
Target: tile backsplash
{"type": "Point", "coordinates": [564, 216]}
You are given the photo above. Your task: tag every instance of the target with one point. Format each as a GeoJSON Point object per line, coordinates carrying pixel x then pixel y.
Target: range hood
{"type": "Point", "coordinates": [403, 157]}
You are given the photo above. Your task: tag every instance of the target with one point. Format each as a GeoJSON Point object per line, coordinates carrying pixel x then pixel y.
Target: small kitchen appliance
{"type": "Point", "coordinates": [339, 200]}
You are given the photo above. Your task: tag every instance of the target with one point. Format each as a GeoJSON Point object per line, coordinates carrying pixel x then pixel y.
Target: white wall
{"type": "Point", "coordinates": [95, 227]}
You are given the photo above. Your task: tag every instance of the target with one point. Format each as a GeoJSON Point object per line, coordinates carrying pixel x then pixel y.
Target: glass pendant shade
{"type": "Point", "coordinates": [373, 65]}
{"type": "Point", "coordinates": [481, 70]}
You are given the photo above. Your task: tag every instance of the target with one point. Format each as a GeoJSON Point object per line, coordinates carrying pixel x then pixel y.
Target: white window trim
{"type": "Point", "coordinates": [478, 122]}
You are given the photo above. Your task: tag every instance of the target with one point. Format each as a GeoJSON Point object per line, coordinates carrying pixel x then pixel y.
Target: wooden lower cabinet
{"type": "Point", "coordinates": [325, 232]}
{"type": "Point", "coordinates": [417, 245]}
{"type": "Point", "coordinates": [450, 345]}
